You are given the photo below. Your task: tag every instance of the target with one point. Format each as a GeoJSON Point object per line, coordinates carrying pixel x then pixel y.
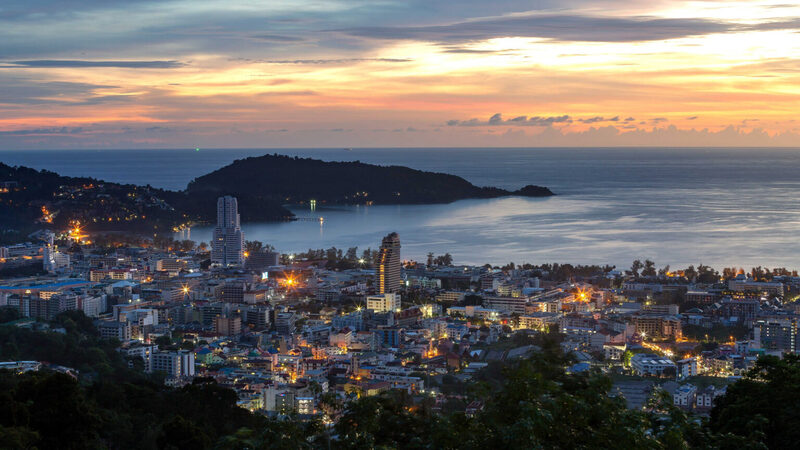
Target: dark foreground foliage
{"type": "Point", "coordinates": [532, 403]}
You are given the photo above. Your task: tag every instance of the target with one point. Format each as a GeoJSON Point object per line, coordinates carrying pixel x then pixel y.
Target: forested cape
{"type": "Point", "coordinates": [293, 180]}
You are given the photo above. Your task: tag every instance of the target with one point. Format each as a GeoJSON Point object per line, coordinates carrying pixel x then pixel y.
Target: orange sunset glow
{"type": "Point", "coordinates": [351, 73]}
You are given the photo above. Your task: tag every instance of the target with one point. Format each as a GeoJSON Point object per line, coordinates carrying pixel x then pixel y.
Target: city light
{"type": "Point", "coordinates": [290, 280]}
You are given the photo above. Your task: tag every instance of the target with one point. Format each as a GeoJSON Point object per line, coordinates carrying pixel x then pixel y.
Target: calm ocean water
{"type": "Point", "coordinates": [722, 207]}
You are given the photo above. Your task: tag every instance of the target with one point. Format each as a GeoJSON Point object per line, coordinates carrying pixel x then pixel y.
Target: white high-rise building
{"type": "Point", "coordinates": [227, 245]}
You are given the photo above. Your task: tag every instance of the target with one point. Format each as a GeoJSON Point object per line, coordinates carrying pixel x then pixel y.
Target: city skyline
{"type": "Point", "coordinates": [366, 74]}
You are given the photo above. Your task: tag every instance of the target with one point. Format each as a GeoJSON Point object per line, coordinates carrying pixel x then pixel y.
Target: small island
{"type": "Point", "coordinates": [31, 198]}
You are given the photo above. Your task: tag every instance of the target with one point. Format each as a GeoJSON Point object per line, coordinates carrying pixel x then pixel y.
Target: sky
{"type": "Point", "coordinates": [405, 73]}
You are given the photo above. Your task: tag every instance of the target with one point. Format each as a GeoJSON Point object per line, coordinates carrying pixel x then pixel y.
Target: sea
{"type": "Point", "coordinates": [724, 207]}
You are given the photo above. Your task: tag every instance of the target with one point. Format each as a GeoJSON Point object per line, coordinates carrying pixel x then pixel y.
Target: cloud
{"type": "Point", "coordinates": [790, 24]}
{"type": "Point", "coordinates": [600, 119]}
{"type": "Point", "coordinates": [277, 38]}
{"type": "Point", "coordinates": [497, 119]}
{"type": "Point", "coordinates": [332, 61]}
{"type": "Point", "coordinates": [67, 63]}
{"type": "Point", "coordinates": [19, 90]}
{"type": "Point", "coordinates": [550, 26]}
{"type": "Point", "coordinates": [44, 131]}
{"type": "Point", "coordinates": [535, 121]}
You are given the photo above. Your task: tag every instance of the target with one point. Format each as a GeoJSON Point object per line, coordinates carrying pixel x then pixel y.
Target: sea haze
{"type": "Point", "coordinates": [721, 207]}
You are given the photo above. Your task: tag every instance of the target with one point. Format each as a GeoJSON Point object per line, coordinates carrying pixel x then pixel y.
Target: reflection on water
{"type": "Point", "coordinates": [557, 229]}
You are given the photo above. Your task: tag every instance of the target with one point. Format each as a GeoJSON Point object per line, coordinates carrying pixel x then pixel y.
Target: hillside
{"type": "Point", "coordinates": [29, 196]}
{"type": "Point", "coordinates": [298, 180]}
{"type": "Point", "coordinates": [32, 198]}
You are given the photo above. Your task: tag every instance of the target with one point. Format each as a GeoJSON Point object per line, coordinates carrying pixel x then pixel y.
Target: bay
{"type": "Point", "coordinates": [717, 206]}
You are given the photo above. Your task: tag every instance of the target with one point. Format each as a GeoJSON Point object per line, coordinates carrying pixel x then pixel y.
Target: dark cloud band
{"type": "Point", "coordinates": [67, 63]}
{"type": "Point", "coordinates": [556, 27]}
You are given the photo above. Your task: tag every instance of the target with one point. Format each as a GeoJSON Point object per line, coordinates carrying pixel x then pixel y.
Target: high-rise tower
{"type": "Point", "coordinates": [227, 246]}
{"type": "Point", "coordinates": [388, 271]}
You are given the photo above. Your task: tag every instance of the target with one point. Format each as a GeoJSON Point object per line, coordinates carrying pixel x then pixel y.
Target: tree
{"type": "Point", "coordinates": [636, 266]}
{"type": "Point", "coordinates": [706, 274]}
{"type": "Point", "coordinates": [690, 273]}
{"type": "Point", "coordinates": [9, 313]}
{"type": "Point", "coordinates": [181, 434]}
{"type": "Point", "coordinates": [253, 246]}
{"type": "Point", "coordinates": [763, 405]}
{"type": "Point", "coordinates": [163, 341]}
{"type": "Point", "coordinates": [649, 268]}
{"type": "Point", "coordinates": [444, 260]}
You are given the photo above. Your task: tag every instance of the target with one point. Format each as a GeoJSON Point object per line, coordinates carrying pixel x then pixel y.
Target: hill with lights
{"type": "Point", "coordinates": [31, 199]}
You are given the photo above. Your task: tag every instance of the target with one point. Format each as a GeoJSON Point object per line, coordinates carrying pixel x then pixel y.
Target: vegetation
{"type": "Point", "coordinates": [763, 405]}
{"type": "Point", "coordinates": [530, 403]}
{"type": "Point", "coordinates": [262, 185]}
{"type": "Point", "coordinates": [53, 200]}
{"type": "Point", "coordinates": [284, 179]}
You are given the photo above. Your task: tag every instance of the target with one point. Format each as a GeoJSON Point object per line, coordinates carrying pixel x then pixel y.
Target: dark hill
{"type": "Point", "coordinates": [32, 198]}
{"type": "Point", "coordinates": [287, 179]}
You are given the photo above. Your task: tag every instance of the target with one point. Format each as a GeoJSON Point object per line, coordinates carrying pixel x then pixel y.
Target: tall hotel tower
{"type": "Point", "coordinates": [227, 247]}
{"type": "Point", "coordinates": [388, 270]}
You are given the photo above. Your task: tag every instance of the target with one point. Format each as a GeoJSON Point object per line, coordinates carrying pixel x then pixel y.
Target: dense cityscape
{"type": "Point", "coordinates": [305, 340]}
{"type": "Point", "coordinates": [416, 224]}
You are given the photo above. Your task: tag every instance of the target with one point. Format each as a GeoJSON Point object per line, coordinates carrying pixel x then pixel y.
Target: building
{"type": "Point", "coordinates": [261, 260]}
{"type": "Point", "coordinates": [172, 265]}
{"type": "Point", "coordinates": [233, 292]}
{"type": "Point", "coordinates": [473, 311]}
{"type": "Point", "coordinates": [702, 297]}
{"type": "Point", "coordinates": [776, 335]}
{"type": "Point", "coordinates": [52, 259]}
{"type": "Point", "coordinates": [450, 296]}
{"type": "Point", "coordinates": [389, 337]}
{"type": "Point", "coordinates": [354, 320]}
{"type": "Point", "coordinates": [389, 302]}
{"type": "Point", "coordinates": [741, 311]}
{"type": "Point", "coordinates": [227, 244]}
{"type": "Point", "coordinates": [284, 322]}
{"type": "Point", "coordinates": [742, 284]}
{"type": "Point", "coordinates": [705, 398]}
{"type": "Point", "coordinates": [654, 365]}
{"type": "Point", "coordinates": [228, 326]}
{"type": "Point", "coordinates": [684, 396]}
{"type": "Point", "coordinates": [508, 305]}
{"type": "Point", "coordinates": [387, 273]}
{"type": "Point", "coordinates": [687, 367]}
{"type": "Point", "coordinates": [113, 274]}
{"type": "Point", "coordinates": [657, 326]}
{"type": "Point", "coordinates": [114, 329]}
{"type": "Point", "coordinates": [538, 320]}
{"type": "Point", "coordinates": [661, 309]}
{"type": "Point", "coordinates": [175, 364]}
{"type": "Point", "coordinates": [257, 317]}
